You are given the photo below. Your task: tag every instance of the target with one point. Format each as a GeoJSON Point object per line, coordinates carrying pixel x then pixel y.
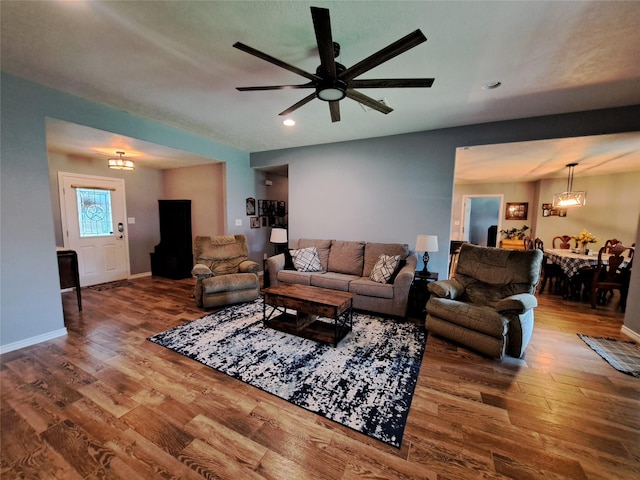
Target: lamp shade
{"type": "Point", "coordinates": [278, 235]}
{"type": "Point", "coordinates": [427, 243]}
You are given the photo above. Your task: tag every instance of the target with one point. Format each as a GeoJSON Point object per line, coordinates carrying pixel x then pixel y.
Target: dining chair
{"type": "Point", "coordinates": [551, 272]}
{"type": "Point", "coordinates": [565, 241]}
{"type": "Point", "coordinates": [528, 243]}
{"type": "Point", "coordinates": [609, 243]}
{"type": "Point", "coordinates": [612, 275]}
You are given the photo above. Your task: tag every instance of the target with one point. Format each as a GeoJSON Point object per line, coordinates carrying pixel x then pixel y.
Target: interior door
{"type": "Point", "coordinates": [94, 224]}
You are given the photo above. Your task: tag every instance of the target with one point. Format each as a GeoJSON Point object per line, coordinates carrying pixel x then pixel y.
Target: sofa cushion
{"type": "Point", "coordinates": [322, 247]}
{"type": "Point", "coordinates": [306, 260]}
{"type": "Point", "coordinates": [372, 252]}
{"type": "Point", "coordinates": [346, 257]}
{"type": "Point", "coordinates": [384, 268]}
{"type": "Point", "coordinates": [332, 280]}
{"type": "Point", "coordinates": [369, 288]}
{"type": "Point", "coordinates": [295, 277]}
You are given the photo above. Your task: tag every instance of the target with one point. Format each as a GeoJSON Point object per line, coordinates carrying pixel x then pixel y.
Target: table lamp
{"type": "Point", "coordinates": [426, 244]}
{"type": "Point", "coordinates": [279, 238]}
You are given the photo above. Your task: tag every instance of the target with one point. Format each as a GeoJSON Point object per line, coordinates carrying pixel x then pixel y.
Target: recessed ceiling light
{"type": "Point", "coordinates": [491, 85]}
{"type": "Point", "coordinates": [289, 122]}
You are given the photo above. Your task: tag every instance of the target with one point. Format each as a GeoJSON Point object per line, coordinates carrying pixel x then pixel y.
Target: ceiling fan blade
{"type": "Point", "coordinates": [368, 101]}
{"type": "Point", "coordinates": [275, 87]}
{"type": "Point", "coordinates": [392, 83]}
{"type": "Point", "coordinates": [322, 28]}
{"type": "Point", "coordinates": [334, 109]}
{"type": "Point", "coordinates": [275, 61]}
{"type": "Point", "coordinates": [381, 56]}
{"type": "Point", "coordinates": [296, 106]}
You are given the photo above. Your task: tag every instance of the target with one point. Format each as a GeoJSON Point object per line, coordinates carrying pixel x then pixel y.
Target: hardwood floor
{"type": "Point", "coordinates": [104, 403]}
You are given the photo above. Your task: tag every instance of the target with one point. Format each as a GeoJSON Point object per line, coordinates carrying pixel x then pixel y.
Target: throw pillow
{"type": "Point", "coordinates": [384, 268]}
{"type": "Point", "coordinates": [306, 260]}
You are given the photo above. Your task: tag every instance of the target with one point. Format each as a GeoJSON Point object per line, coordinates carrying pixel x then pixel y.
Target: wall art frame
{"type": "Point", "coordinates": [516, 211]}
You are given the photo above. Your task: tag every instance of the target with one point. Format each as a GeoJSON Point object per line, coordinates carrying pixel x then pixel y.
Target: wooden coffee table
{"type": "Point", "coordinates": [309, 304]}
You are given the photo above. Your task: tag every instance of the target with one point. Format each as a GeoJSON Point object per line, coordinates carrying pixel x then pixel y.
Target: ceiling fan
{"type": "Point", "coordinates": [332, 81]}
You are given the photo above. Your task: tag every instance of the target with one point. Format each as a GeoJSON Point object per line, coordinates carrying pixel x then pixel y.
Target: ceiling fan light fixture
{"type": "Point", "coordinates": [289, 122]}
{"type": "Point", "coordinates": [332, 92]}
{"type": "Point", "coordinates": [120, 163]}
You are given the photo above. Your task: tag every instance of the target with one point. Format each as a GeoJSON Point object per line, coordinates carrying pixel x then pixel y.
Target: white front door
{"type": "Point", "coordinates": [94, 224]}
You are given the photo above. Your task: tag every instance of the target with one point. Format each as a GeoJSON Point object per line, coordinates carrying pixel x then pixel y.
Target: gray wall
{"type": "Point", "coordinates": [391, 189]}
{"type": "Point", "coordinates": [204, 186]}
{"type": "Point", "coordinates": [30, 302]}
{"type": "Point", "coordinates": [143, 187]}
{"type": "Point", "coordinates": [632, 314]}
{"type": "Point", "coordinates": [384, 189]}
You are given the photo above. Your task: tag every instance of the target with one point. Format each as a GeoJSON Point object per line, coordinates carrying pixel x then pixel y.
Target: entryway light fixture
{"type": "Point", "coordinates": [569, 198]}
{"type": "Point", "coordinates": [121, 163]}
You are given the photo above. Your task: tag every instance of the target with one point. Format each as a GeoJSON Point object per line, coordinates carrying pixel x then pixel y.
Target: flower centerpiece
{"type": "Point", "coordinates": [514, 233]}
{"type": "Point", "coordinates": [584, 238]}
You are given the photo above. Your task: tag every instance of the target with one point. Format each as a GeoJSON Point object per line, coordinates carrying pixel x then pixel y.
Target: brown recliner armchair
{"type": "Point", "coordinates": [224, 274]}
{"type": "Point", "coordinates": [488, 306]}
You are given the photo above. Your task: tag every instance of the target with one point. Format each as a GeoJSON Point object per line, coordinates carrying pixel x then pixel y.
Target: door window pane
{"type": "Point", "coordinates": [94, 212]}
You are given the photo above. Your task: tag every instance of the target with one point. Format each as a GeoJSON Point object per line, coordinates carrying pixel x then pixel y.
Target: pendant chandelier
{"type": "Point", "coordinates": [121, 163]}
{"type": "Point", "coordinates": [569, 198]}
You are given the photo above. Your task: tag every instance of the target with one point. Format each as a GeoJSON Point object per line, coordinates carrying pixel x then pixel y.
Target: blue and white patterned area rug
{"type": "Point", "coordinates": [366, 383]}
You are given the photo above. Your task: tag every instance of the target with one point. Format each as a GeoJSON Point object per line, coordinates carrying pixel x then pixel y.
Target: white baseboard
{"type": "Point", "coordinates": [27, 342]}
{"type": "Point", "coordinates": [630, 333]}
{"type": "Point", "coordinates": [140, 275]}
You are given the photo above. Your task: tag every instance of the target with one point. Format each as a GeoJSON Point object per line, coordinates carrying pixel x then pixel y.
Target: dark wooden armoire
{"type": "Point", "coordinates": [173, 256]}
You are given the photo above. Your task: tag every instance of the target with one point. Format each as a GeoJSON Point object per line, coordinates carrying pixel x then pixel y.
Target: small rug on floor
{"type": "Point", "coordinates": [366, 382]}
{"type": "Point", "coordinates": [621, 355]}
{"type": "Point", "coordinates": [108, 286]}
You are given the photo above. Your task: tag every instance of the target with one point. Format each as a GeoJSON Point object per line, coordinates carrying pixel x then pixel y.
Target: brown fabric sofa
{"type": "Point", "coordinates": [346, 266]}
{"type": "Point", "coordinates": [489, 304]}
{"type": "Point", "coordinates": [224, 274]}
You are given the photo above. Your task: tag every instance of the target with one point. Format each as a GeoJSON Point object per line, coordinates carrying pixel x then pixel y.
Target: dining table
{"type": "Point", "coordinates": [572, 263]}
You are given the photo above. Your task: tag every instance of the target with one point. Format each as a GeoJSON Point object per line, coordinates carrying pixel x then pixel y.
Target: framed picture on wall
{"type": "Point", "coordinates": [254, 222]}
{"type": "Point", "coordinates": [516, 211]}
{"type": "Point", "coordinates": [251, 206]}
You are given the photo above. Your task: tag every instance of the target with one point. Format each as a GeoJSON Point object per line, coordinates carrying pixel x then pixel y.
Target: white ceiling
{"type": "Point", "coordinates": [173, 62]}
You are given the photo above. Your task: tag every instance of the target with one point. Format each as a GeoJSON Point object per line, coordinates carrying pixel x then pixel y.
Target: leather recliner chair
{"type": "Point", "coordinates": [224, 274]}
{"type": "Point", "coordinates": [488, 306]}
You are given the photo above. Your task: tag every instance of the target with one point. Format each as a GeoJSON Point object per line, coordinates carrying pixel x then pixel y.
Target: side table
{"type": "Point", "coordinates": [419, 293]}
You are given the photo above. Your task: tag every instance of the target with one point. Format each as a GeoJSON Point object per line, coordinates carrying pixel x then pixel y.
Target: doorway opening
{"type": "Point", "coordinates": [481, 219]}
